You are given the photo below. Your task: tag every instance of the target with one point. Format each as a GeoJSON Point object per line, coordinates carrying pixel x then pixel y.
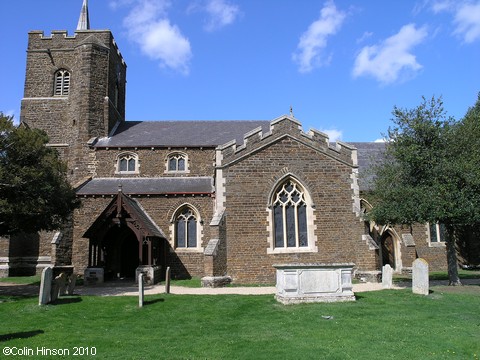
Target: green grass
{"type": "Point", "coordinates": [388, 324]}
{"type": "Point", "coordinates": [22, 280]}
{"type": "Point", "coordinates": [442, 275]}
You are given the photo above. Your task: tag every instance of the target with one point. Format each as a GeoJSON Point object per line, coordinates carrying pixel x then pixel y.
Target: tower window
{"type": "Point", "coordinates": [62, 82]}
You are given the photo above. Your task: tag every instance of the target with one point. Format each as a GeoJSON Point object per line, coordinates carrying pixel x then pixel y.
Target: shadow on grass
{"type": "Point", "coordinates": [20, 335]}
{"type": "Point", "coordinates": [67, 300]}
{"type": "Point", "coordinates": [151, 302]}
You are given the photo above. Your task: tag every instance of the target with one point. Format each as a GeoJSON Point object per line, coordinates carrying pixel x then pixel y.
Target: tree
{"type": "Point", "coordinates": [34, 192]}
{"type": "Point", "coordinates": [430, 173]}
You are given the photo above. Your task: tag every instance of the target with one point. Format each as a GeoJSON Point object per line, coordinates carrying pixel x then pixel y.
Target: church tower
{"type": "Point", "coordinates": [74, 90]}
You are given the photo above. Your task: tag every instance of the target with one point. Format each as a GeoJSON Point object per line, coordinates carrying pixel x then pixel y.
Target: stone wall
{"type": "Point", "coordinates": [152, 162]}
{"type": "Point", "coordinates": [325, 173]}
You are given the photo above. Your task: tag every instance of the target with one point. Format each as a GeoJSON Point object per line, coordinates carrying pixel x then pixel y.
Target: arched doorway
{"type": "Point", "coordinates": [121, 253]}
{"type": "Point", "coordinates": [388, 250]}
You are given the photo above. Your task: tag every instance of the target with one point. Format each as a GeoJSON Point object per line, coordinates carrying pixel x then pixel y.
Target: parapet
{"type": "Point", "coordinates": [287, 126]}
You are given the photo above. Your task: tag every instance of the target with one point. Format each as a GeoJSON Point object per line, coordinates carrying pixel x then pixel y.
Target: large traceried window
{"type": "Point", "coordinates": [127, 163]}
{"type": "Point", "coordinates": [186, 225]}
{"type": "Point", "coordinates": [290, 216]}
{"type": "Point", "coordinates": [62, 83]}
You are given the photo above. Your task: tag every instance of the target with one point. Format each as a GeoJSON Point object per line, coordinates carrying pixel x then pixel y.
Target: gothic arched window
{"type": "Point", "coordinates": [290, 216]}
{"type": "Point", "coordinates": [62, 82]}
{"type": "Point", "coordinates": [177, 162]}
{"type": "Point", "coordinates": [186, 224]}
{"type": "Point", "coordinates": [127, 163]}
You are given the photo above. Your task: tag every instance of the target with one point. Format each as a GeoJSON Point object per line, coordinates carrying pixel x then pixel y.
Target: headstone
{"type": "Point", "coordinates": [167, 280]}
{"type": "Point", "coordinates": [71, 284]}
{"type": "Point", "coordinates": [45, 286]}
{"type": "Point", "coordinates": [420, 277]}
{"type": "Point", "coordinates": [56, 288]}
{"type": "Point", "coordinates": [140, 290]}
{"type": "Point", "coordinates": [62, 284]}
{"type": "Point", "coordinates": [387, 273]}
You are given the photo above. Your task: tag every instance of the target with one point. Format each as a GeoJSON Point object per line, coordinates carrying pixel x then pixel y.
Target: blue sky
{"type": "Point", "coordinates": [342, 65]}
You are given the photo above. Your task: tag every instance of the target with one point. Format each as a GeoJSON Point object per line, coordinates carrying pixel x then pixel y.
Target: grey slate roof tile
{"type": "Point", "coordinates": [180, 133]}
{"type": "Point", "coordinates": [148, 186]}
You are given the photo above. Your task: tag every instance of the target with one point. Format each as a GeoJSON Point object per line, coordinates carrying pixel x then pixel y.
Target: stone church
{"type": "Point", "coordinates": [218, 200]}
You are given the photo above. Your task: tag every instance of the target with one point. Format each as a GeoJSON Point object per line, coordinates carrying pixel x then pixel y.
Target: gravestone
{"type": "Point", "coordinates": [420, 277]}
{"type": "Point", "coordinates": [45, 286]}
{"type": "Point", "coordinates": [140, 290]}
{"type": "Point", "coordinates": [167, 281]}
{"type": "Point", "coordinates": [62, 284]}
{"type": "Point", "coordinates": [387, 273]}
{"type": "Point", "coordinates": [71, 284]}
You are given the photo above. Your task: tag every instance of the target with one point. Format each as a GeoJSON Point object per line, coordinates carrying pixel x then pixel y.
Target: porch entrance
{"type": "Point", "coordinates": [120, 248]}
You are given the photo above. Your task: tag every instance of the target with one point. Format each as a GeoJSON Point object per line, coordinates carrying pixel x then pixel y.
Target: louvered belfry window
{"type": "Point", "coordinates": [62, 82]}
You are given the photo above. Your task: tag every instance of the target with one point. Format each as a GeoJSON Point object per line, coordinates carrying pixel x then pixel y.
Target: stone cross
{"type": "Point", "coordinates": [420, 277]}
{"type": "Point", "coordinates": [140, 290]}
{"type": "Point", "coordinates": [45, 286]}
{"type": "Point", "coordinates": [387, 273]}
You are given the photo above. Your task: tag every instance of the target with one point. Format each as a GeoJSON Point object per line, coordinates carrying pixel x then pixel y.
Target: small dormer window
{"type": "Point", "coordinates": [127, 163]}
{"type": "Point", "coordinates": [62, 82]}
{"type": "Point", "coordinates": [177, 162]}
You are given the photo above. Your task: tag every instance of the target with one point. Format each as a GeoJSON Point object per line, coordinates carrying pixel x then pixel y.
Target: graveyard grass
{"type": "Point", "coordinates": [388, 324]}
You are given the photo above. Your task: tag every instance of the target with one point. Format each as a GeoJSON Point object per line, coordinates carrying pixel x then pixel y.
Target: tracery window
{"type": "Point", "coordinates": [290, 216]}
{"type": "Point", "coordinates": [177, 162]}
{"type": "Point", "coordinates": [62, 82]}
{"type": "Point", "coordinates": [127, 163]}
{"type": "Point", "coordinates": [186, 229]}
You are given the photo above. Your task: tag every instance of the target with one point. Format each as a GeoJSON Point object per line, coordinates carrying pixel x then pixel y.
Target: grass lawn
{"type": "Point", "coordinates": [388, 324]}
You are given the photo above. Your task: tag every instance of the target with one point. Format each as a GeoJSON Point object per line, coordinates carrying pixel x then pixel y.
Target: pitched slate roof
{"type": "Point", "coordinates": [368, 154]}
{"type": "Point", "coordinates": [180, 133]}
{"type": "Point", "coordinates": [150, 186]}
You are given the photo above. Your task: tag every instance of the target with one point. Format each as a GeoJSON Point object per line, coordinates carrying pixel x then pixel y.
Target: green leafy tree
{"type": "Point", "coordinates": [34, 191]}
{"type": "Point", "coordinates": [430, 173]}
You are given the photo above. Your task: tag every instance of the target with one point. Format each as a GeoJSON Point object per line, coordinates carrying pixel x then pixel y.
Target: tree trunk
{"type": "Point", "coordinates": [452, 263]}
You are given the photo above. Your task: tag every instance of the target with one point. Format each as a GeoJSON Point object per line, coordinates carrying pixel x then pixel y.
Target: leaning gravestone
{"type": "Point", "coordinates": [45, 286]}
{"type": "Point", "coordinates": [420, 277]}
{"type": "Point", "coordinates": [387, 273]}
{"type": "Point", "coordinates": [71, 284]}
{"type": "Point", "coordinates": [62, 284]}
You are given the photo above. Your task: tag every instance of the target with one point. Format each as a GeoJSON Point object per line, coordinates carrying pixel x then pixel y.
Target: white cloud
{"type": "Point", "coordinates": [148, 26]}
{"type": "Point", "coordinates": [333, 134]}
{"type": "Point", "coordinates": [466, 17]}
{"type": "Point", "coordinates": [392, 59]}
{"type": "Point", "coordinates": [221, 13]}
{"type": "Point", "coordinates": [310, 48]}
{"type": "Point", "coordinates": [467, 22]}
{"type": "Point", "coordinates": [12, 113]}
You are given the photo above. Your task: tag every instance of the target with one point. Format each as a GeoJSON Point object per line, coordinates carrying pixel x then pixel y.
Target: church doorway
{"type": "Point", "coordinates": [388, 250]}
{"type": "Point", "coordinates": [121, 253]}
